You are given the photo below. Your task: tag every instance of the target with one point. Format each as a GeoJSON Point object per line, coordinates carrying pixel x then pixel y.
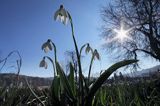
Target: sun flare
{"type": "Point", "coordinates": [121, 34]}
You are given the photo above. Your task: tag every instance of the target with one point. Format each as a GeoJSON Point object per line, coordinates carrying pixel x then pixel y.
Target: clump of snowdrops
{"type": "Point", "coordinates": [65, 90]}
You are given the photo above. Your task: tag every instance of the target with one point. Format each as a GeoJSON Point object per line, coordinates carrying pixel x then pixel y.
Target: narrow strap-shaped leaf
{"type": "Point", "coordinates": [55, 88]}
{"type": "Point", "coordinates": [104, 76]}
{"type": "Point", "coordinates": [65, 81]}
{"type": "Point", "coordinates": [71, 79]}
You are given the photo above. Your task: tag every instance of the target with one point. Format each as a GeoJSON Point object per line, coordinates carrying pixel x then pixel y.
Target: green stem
{"type": "Point", "coordinates": [55, 57]}
{"type": "Point", "coordinates": [79, 64]}
{"type": "Point", "coordinates": [90, 67]}
{"type": "Point", "coordinates": [52, 64]}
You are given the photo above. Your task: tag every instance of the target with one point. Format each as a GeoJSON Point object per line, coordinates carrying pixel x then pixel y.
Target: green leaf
{"type": "Point", "coordinates": [56, 87]}
{"type": "Point", "coordinates": [71, 79]}
{"type": "Point", "coordinates": [65, 81]}
{"type": "Point", "coordinates": [104, 76]}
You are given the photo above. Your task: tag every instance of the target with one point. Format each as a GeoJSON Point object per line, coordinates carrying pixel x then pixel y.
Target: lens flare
{"type": "Point", "coordinates": [121, 34]}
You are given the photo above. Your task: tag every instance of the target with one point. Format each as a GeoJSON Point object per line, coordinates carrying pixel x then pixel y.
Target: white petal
{"type": "Point", "coordinates": [88, 48]}
{"type": "Point", "coordinates": [65, 13]}
{"type": "Point", "coordinates": [49, 45]}
{"type": "Point", "coordinates": [56, 15]}
{"type": "Point", "coordinates": [65, 21]}
{"type": "Point", "coordinates": [42, 63]}
{"type": "Point", "coordinates": [44, 45]}
{"type": "Point", "coordinates": [46, 49]}
{"type": "Point", "coordinates": [96, 54]}
{"type": "Point", "coordinates": [62, 18]}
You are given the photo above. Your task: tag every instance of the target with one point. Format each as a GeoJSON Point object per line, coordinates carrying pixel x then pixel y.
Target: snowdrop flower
{"type": "Point", "coordinates": [62, 15]}
{"type": "Point", "coordinates": [88, 49]}
{"type": "Point", "coordinates": [43, 63]}
{"type": "Point", "coordinates": [47, 46]}
{"type": "Point", "coordinates": [96, 54]}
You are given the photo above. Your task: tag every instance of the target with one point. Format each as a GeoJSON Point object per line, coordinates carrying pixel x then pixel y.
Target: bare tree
{"type": "Point", "coordinates": [72, 59]}
{"type": "Point", "coordinates": [143, 18]}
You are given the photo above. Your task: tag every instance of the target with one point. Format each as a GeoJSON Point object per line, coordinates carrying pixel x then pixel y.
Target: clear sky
{"type": "Point", "coordinates": [26, 24]}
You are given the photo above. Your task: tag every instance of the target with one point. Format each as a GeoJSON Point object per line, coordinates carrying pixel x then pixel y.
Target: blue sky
{"type": "Point", "coordinates": [26, 24]}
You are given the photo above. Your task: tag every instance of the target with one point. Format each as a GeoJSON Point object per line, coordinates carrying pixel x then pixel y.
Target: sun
{"type": "Point", "coordinates": [121, 34]}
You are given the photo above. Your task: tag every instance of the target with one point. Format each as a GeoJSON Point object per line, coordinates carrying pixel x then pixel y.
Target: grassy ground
{"type": "Point", "coordinates": [142, 93]}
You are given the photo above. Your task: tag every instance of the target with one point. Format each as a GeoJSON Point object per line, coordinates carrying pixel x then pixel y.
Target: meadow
{"type": "Point", "coordinates": [144, 92]}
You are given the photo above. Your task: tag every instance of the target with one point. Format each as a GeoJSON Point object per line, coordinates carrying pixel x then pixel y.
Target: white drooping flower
{"type": "Point", "coordinates": [96, 54]}
{"type": "Point", "coordinates": [43, 63]}
{"type": "Point", "coordinates": [47, 46]}
{"type": "Point", "coordinates": [88, 49]}
{"type": "Point", "coordinates": [62, 15]}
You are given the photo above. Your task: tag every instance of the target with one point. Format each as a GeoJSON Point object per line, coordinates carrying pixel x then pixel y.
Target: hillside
{"type": "Point", "coordinates": [9, 79]}
{"type": "Point", "coordinates": [146, 72]}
